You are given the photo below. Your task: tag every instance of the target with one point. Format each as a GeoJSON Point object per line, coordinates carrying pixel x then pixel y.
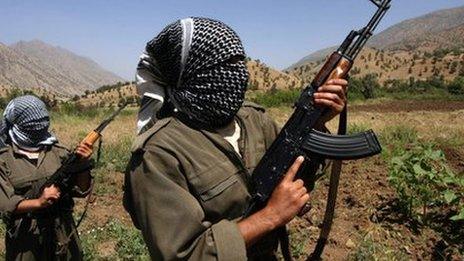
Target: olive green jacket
{"type": "Point", "coordinates": [186, 188]}
{"type": "Point", "coordinates": [30, 237]}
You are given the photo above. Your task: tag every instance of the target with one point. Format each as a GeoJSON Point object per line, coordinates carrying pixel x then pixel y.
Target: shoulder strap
{"type": "Point", "coordinates": [332, 195]}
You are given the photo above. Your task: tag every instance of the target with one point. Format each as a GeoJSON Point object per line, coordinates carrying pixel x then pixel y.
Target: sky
{"type": "Point", "coordinates": [114, 32]}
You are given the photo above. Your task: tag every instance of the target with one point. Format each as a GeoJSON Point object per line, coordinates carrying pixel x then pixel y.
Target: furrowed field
{"type": "Point", "coordinates": [403, 204]}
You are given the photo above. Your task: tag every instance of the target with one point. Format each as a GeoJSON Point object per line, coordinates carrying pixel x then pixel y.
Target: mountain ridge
{"type": "Point", "coordinates": [36, 64]}
{"type": "Point", "coordinates": [408, 34]}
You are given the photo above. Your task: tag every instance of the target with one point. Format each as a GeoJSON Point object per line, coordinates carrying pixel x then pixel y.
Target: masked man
{"type": "Point", "coordinates": [188, 182]}
{"type": "Point", "coordinates": [37, 228]}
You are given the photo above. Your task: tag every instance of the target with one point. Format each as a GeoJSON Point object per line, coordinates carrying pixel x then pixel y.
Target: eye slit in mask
{"type": "Point", "coordinates": [235, 59]}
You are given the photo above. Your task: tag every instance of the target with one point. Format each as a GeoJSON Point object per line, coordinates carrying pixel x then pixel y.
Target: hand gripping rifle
{"type": "Point", "coordinates": [63, 176]}
{"type": "Point", "coordinates": [298, 136]}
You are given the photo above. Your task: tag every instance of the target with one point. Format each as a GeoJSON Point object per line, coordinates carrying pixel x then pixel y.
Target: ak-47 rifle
{"type": "Point", "coordinates": [298, 136]}
{"type": "Point", "coordinates": [63, 176]}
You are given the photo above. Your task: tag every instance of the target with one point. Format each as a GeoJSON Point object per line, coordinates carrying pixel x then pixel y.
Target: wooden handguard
{"type": "Point", "coordinates": [341, 64]}
{"type": "Point", "coordinates": [342, 69]}
{"type": "Point", "coordinates": [91, 138]}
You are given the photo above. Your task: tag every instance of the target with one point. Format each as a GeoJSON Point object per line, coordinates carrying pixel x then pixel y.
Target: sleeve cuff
{"type": "Point", "coordinates": [11, 205]}
{"type": "Point", "coordinates": [229, 241]}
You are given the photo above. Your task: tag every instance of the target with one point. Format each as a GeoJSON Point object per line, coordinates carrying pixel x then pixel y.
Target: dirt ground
{"type": "Point", "coordinates": [365, 217]}
{"type": "Point", "coordinates": [365, 204]}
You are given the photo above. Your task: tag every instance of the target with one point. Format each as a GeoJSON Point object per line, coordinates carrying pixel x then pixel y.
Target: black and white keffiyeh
{"type": "Point", "coordinates": [26, 122]}
{"type": "Point", "coordinates": [196, 65]}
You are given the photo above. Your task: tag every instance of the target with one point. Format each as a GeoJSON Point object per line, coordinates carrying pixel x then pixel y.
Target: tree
{"type": "Point", "coordinates": [369, 85]}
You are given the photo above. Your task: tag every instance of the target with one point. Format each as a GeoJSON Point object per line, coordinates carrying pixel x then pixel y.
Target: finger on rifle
{"type": "Point", "coordinates": [305, 198]}
{"type": "Point", "coordinates": [330, 104]}
{"type": "Point", "coordinates": [329, 96]}
{"type": "Point", "coordinates": [302, 191]}
{"type": "Point", "coordinates": [294, 169]}
{"type": "Point", "coordinates": [82, 152]}
{"type": "Point", "coordinates": [298, 183]}
{"type": "Point", "coordinates": [336, 89]}
{"type": "Point", "coordinates": [55, 187]}
{"type": "Point", "coordinates": [87, 144]}
{"type": "Point", "coordinates": [53, 197]}
{"type": "Point", "coordinates": [85, 150]}
{"type": "Point", "coordinates": [341, 82]}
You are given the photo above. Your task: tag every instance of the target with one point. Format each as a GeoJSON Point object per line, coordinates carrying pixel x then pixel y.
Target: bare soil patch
{"type": "Point", "coordinates": [409, 106]}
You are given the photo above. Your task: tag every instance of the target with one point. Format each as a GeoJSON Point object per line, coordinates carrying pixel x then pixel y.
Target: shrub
{"type": "Point", "coordinates": [73, 109]}
{"type": "Point", "coordinates": [457, 86]}
{"type": "Point", "coordinates": [422, 179]}
{"type": "Point", "coordinates": [364, 87]}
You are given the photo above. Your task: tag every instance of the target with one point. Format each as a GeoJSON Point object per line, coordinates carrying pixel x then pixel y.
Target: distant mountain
{"type": "Point", "coordinates": [440, 29]}
{"type": "Point", "coordinates": [414, 33]}
{"type": "Point", "coordinates": [35, 64]}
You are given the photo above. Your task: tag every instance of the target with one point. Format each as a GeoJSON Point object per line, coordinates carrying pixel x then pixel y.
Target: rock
{"type": "Point", "coordinates": [350, 244]}
{"type": "Point", "coordinates": [406, 248]}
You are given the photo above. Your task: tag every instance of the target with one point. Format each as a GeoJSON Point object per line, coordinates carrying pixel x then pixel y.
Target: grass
{"type": "Point", "coordinates": [112, 241]}
{"type": "Point", "coordinates": [354, 128]}
{"type": "Point", "coordinates": [276, 98]}
{"type": "Point", "coordinates": [371, 248]}
{"type": "Point", "coordinates": [115, 156]}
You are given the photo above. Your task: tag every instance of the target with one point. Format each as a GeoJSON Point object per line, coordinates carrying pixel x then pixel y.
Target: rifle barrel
{"type": "Point", "coordinates": [107, 121]}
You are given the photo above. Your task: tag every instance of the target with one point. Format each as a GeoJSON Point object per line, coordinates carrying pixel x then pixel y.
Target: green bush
{"type": "Point", "coordinates": [365, 87]}
{"type": "Point", "coordinates": [457, 86]}
{"type": "Point", "coordinates": [73, 109]}
{"type": "Point", "coordinates": [422, 180]}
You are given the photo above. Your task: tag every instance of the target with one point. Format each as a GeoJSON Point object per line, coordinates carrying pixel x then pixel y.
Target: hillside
{"type": "Point", "coordinates": [262, 78]}
{"type": "Point", "coordinates": [111, 96]}
{"type": "Point", "coordinates": [400, 65]}
{"type": "Point", "coordinates": [35, 64]}
{"type": "Point", "coordinates": [442, 29]}
{"type": "Point", "coordinates": [265, 78]}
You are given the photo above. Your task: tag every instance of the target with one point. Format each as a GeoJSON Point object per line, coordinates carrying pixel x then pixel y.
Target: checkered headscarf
{"type": "Point", "coordinates": [199, 62]}
{"type": "Point", "coordinates": [26, 121]}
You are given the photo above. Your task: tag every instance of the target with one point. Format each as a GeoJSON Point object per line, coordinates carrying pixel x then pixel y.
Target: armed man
{"type": "Point", "coordinates": [40, 228]}
{"type": "Point", "coordinates": [188, 183]}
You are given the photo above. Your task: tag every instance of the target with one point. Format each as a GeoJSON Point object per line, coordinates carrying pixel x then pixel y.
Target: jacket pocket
{"type": "Point", "coordinates": [218, 188]}
{"type": "Point", "coordinates": [221, 192]}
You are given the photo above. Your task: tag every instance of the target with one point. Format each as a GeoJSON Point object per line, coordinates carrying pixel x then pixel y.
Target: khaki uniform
{"type": "Point", "coordinates": [34, 236]}
{"type": "Point", "coordinates": [186, 188]}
